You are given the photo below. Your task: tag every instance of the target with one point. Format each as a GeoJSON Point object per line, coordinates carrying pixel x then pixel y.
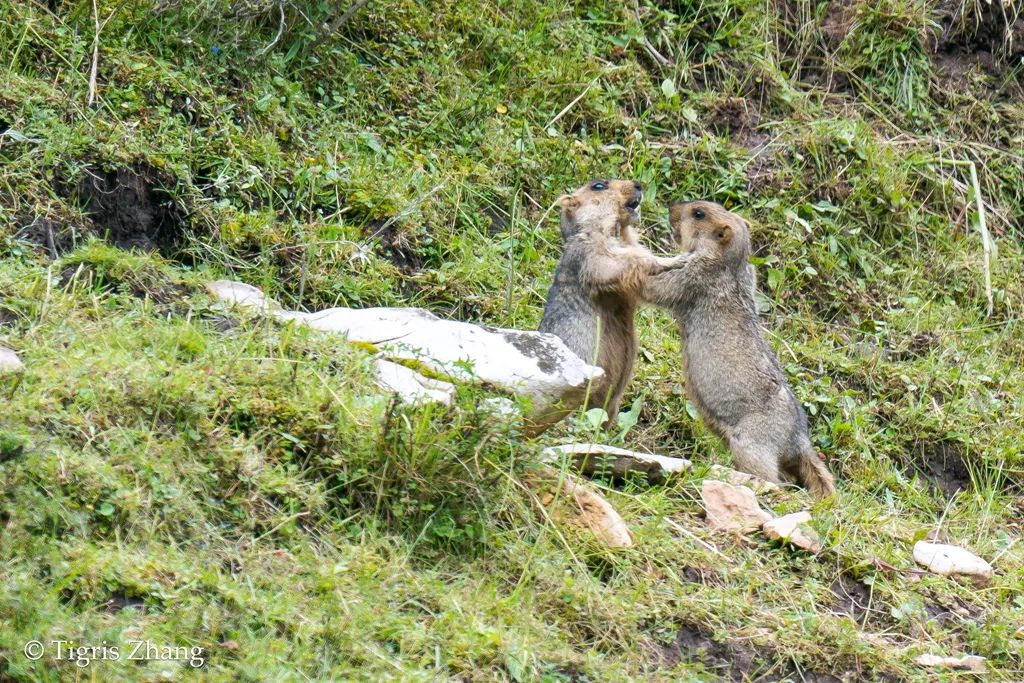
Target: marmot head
{"type": "Point", "coordinates": [708, 227]}
{"type": "Point", "coordinates": [603, 205]}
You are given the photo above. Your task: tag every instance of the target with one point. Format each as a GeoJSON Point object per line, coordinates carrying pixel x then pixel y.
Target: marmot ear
{"type": "Point", "coordinates": [568, 202]}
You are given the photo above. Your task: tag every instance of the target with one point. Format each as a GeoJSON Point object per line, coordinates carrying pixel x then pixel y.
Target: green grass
{"type": "Point", "coordinates": [172, 471]}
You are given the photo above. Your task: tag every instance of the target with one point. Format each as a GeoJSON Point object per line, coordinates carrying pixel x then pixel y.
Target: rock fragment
{"type": "Point", "coordinates": [737, 478]}
{"type": "Point", "coordinates": [948, 560]}
{"type": "Point", "coordinates": [972, 663]}
{"type": "Point", "coordinates": [410, 386]}
{"type": "Point", "coordinates": [10, 364]}
{"type": "Point", "coordinates": [533, 364]}
{"type": "Point", "coordinates": [731, 508]}
{"type": "Point", "coordinates": [582, 506]}
{"type": "Point", "coordinates": [793, 529]}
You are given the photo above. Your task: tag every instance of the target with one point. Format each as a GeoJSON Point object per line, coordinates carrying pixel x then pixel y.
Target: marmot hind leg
{"type": "Point", "coordinates": [753, 457]}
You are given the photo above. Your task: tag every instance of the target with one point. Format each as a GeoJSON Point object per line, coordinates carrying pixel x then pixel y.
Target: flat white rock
{"type": "Point", "coordinates": [533, 364]}
{"type": "Point", "coordinates": [10, 364]}
{"type": "Point", "coordinates": [793, 529]}
{"type": "Point", "coordinates": [972, 663]}
{"type": "Point", "coordinates": [594, 458]}
{"type": "Point", "coordinates": [949, 559]}
{"type": "Point", "coordinates": [731, 508]}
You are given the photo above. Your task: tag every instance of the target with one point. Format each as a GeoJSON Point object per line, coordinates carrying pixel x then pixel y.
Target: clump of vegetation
{"type": "Point", "coordinates": [178, 474]}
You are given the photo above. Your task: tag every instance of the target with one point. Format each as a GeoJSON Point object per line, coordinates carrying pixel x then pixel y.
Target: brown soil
{"type": "Point", "coordinates": [131, 208]}
{"type": "Point", "coordinates": [976, 46]}
{"type": "Point", "coordinates": [8, 316]}
{"type": "Point", "coordinates": [739, 660]}
{"type": "Point", "coordinates": [733, 116]}
{"type": "Point", "coordinates": [853, 597]}
{"type": "Point", "coordinates": [395, 245]}
{"type": "Point", "coordinates": [917, 346]}
{"type": "Point", "coordinates": [989, 30]}
{"type": "Point", "coordinates": [942, 465]}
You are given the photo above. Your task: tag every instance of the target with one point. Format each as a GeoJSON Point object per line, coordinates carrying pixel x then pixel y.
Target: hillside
{"type": "Point", "coordinates": [174, 472]}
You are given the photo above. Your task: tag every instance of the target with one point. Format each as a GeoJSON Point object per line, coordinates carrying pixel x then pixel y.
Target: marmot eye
{"type": "Point", "coordinates": [698, 214]}
{"type": "Point", "coordinates": [598, 186]}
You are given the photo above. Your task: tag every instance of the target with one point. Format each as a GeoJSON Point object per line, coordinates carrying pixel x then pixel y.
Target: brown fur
{"type": "Point", "coordinates": [592, 302]}
{"type": "Point", "coordinates": [732, 374]}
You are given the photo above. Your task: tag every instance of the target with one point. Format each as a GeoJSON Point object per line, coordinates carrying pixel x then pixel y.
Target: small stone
{"type": "Point", "coordinates": [582, 506]}
{"type": "Point", "coordinates": [793, 529]}
{"type": "Point", "coordinates": [10, 364]}
{"type": "Point", "coordinates": [731, 508]}
{"type": "Point", "coordinates": [972, 663]}
{"type": "Point", "coordinates": [948, 560]}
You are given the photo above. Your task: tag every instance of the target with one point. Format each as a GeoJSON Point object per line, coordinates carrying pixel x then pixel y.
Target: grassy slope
{"type": "Point", "coordinates": [170, 472]}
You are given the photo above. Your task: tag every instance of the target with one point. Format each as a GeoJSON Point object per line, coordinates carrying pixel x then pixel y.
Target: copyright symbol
{"type": "Point", "coordinates": [33, 650]}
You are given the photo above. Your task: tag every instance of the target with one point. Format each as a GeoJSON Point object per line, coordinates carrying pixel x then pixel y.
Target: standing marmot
{"type": "Point", "coordinates": [596, 289]}
{"type": "Point", "coordinates": [732, 375]}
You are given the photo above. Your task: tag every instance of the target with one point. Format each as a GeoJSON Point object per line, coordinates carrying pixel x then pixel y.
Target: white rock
{"type": "Point", "coordinates": [533, 364]}
{"type": "Point", "coordinates": [10, 364]}
{"type": "Point", "coordinates": [243, 295]}
{"type": "Point", "coordinates": [499, 406]}
{"type": "Point", "coordinates": [731, 508]}
{"type": "Point", "coordinates": [949, 559]}
{"type": "Point", "coordinates": [411, 386]}
{"type": "Point", "coordinates": [793, 528]}
{"type": "Point", "coordinates": [593, 458]}
{"type": "Point", "coordinates": [972, 663]}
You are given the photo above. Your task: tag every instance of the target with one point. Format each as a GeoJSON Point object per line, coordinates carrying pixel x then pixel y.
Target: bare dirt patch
{"type": "Point", "coordinates": [918, 346]}
{"type": "Point", "coordinates": [395, 245]}
{"type": "Point", "coordinates": [853, 598]}
{"type": "Point", "coordinates": [992, 28]}
{"type": "Point", "coordinates": [942, 465]}
{"type": "Point", "coordinates": [739, 660]}
{"type": "Point", "coordinates": [733, 116]}
{"type": "Point", "coordinates": [131, 208]}
{"type": "Point", "coordinates": [976, 43]}
{"type": "Point", "coordinates": [8, 316]}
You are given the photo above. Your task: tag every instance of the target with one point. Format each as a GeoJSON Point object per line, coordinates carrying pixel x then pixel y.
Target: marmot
{"type": "Point", "coordinates": [732, 374]}
{"type": "Point", "coordinates": [596, 289]}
